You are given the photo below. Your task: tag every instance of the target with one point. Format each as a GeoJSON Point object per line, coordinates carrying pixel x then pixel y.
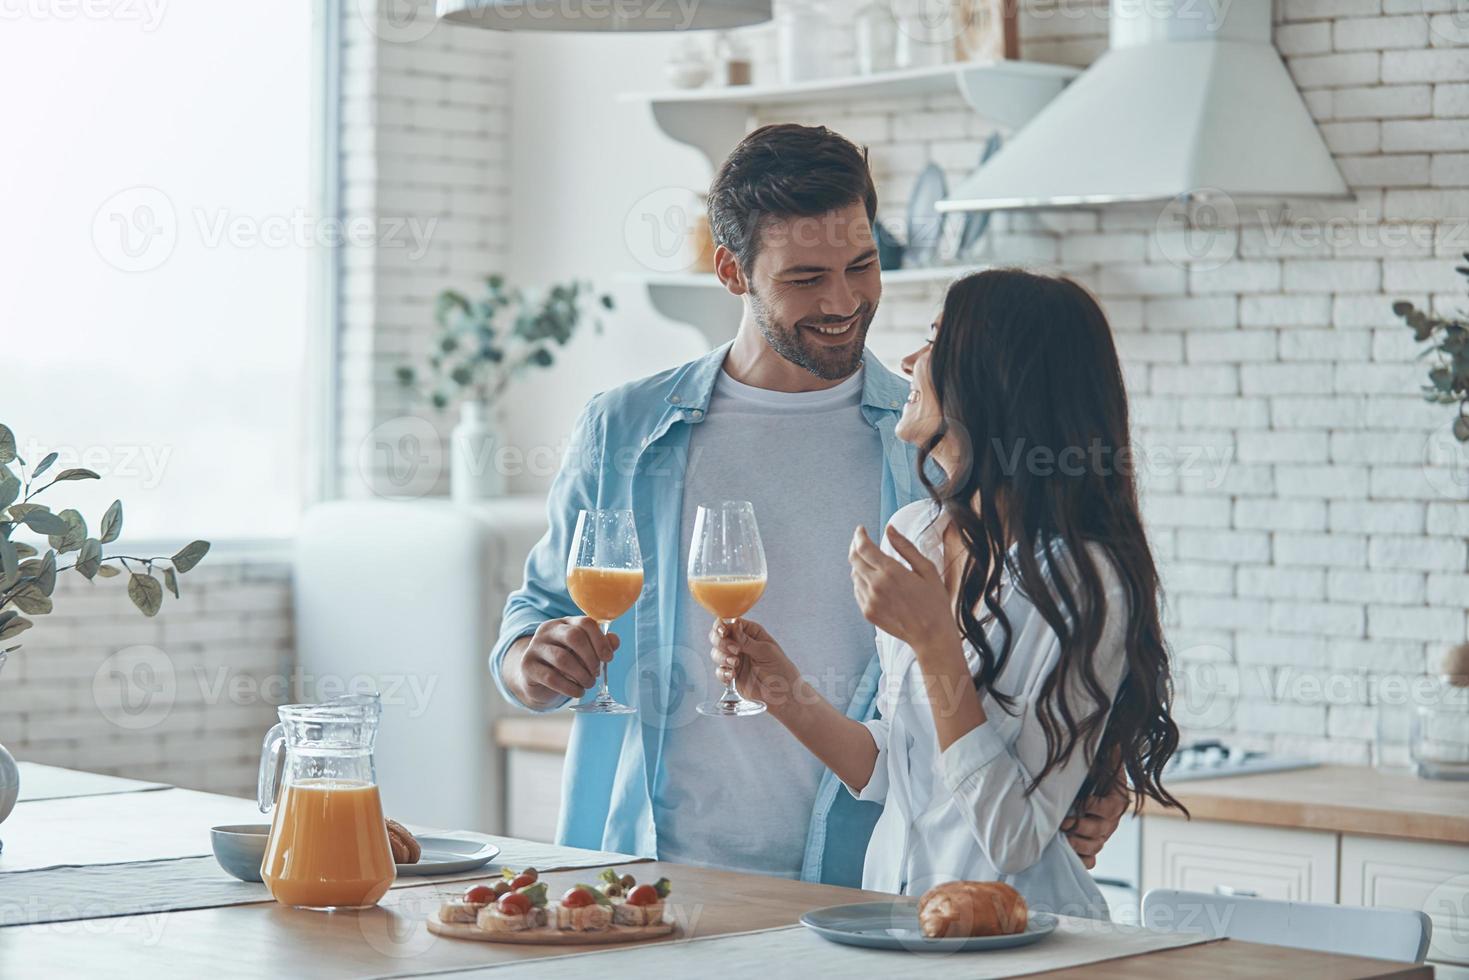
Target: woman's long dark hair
{"type": "Point", "coordinates": [1028, 381]}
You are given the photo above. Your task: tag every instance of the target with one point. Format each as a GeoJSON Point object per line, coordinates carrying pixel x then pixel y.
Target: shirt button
{"type": "Point", "coordinates": [892, 404]}
{"type": "Point", "coordinates": [697, 414]}
{"type": "Point", "coordinates": [675, 399]}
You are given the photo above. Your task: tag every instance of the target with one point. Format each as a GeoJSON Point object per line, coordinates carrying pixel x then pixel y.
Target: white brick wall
{"type": "Point", "coordinates": [1325, 555]}
{"type": "Point", "coordinates": [424, 139]}
{"type": "Point", "coordinates": [182, 698]}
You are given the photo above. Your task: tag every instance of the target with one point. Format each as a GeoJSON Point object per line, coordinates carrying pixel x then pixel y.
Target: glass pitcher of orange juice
{"type": "Point", "coordinates": [328, 845]}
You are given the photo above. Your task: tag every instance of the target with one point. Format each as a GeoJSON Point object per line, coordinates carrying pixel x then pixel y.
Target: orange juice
{"type": "Point", "coordinates": [604, 593]}
{"type": "Point", "coordinates": [727, 596]}
{"type": "Point", "coordinates": [328, 846]}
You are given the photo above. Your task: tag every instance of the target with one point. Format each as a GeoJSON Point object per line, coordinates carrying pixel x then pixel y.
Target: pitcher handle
{"type": "Point", "coordinates": [271, 764]}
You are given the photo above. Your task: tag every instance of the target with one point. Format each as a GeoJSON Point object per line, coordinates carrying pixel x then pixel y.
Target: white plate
{"type": "Point", "coordinates": [894, 925]}
{"type": "Point", "coordinates": [449, 855]}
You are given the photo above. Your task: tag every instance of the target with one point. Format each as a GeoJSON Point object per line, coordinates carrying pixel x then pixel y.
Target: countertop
{"type": "Point", "coordinates": [1341, 799]}
{"type": "Point", "coordinates": [534, 733]}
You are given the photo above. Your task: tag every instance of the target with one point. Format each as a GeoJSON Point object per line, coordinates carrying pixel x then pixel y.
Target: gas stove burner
{"type": "Point", "coordinates": [1212, 759]}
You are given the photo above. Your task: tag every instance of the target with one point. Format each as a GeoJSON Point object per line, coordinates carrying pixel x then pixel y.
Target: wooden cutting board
{"type": "Point", "coordinates": [545, 936]}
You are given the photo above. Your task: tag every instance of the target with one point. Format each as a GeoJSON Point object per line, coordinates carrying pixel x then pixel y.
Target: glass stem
{"type": "Point", "coordinates": [730, 694]}
{"type": "Point", "coordinates": [604, 693]}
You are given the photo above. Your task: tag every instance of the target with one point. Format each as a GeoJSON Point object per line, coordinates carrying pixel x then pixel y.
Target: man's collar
{"type": "Point", "coordinates": [694, 387]}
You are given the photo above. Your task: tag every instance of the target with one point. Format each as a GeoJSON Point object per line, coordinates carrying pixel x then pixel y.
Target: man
{"type": "Point", "coordinates": [796, 416]}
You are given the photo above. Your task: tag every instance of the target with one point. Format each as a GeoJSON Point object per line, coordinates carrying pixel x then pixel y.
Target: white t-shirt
{"type": "Point", "coordinates": [737, 793]}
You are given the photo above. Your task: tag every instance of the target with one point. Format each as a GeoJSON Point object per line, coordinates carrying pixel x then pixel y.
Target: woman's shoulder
{"type": "Point", "coordinates": [912, 519]}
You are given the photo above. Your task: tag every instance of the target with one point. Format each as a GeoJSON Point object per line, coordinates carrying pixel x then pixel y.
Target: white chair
{"type": "Point", "coordinates": [1379, 933]}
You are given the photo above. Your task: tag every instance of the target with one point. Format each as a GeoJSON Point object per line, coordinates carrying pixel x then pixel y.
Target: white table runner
{"type": "Point", "coordinates": [38, 782]}
{"type": "Point", "coordinates": [98, 891]}
{"type": "Point", "coordinates": [798, 950]}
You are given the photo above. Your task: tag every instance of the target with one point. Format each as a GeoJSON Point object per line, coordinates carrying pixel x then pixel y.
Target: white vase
{"type": "Point", "coordinates": [9, 775]}
{"type": "Point", "coordinates": [475, 472]}
{"type": "Point", "coordinates": [9, 783]}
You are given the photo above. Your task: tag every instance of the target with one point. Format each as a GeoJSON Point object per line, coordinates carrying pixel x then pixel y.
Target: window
{"type": "Point", "coordinates": [158, 249]}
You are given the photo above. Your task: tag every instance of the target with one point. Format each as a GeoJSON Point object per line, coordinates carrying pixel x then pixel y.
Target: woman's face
{"type": "Point", "coordinates": [921, 416]}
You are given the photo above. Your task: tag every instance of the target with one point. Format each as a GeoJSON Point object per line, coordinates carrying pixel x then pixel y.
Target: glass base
{"type": "Point", "coordinates": [741, 708]}
{"type": "Point", "coordinates": [604, 705]}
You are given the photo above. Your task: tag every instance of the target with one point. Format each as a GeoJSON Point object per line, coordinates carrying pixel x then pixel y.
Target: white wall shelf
{"type": "Point", "coordinates": [713, 120]}
{"type": "Point", "coordinates": [700, 300]}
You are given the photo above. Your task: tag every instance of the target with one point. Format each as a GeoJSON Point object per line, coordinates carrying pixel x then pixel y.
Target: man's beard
{"type": "Point", "coordinates": [827, 363]}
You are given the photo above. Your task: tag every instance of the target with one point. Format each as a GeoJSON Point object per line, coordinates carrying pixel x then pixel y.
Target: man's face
{"type": "Point", "coordinates": [814, 289]}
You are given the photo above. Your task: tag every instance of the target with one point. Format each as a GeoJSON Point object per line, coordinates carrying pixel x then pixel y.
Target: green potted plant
{"type": "Point", "coordinates": [1448, 384]}
{"type": "Point", "coordinates": [481, 347]}
{"type": "Point", "coordinates": [1448, 378]}
{"type": "Point", "coordinates": [28, 577]}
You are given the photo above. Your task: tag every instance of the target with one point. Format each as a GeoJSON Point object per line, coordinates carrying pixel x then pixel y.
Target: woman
{"type": "Point", "coordinates": [1016, 611]}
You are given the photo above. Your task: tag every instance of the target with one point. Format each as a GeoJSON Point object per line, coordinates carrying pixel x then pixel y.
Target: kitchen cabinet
{"type": "Point", "coordinates": [1433, 878]}
{"type": "Point", "coordinates": [1266, 862]}
{"type": "Point", "coordinates": [535, 753]}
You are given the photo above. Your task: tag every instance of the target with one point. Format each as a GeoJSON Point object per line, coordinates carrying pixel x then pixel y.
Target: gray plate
{"type": "Point", "coordinates": [894, 925]}
{"type": "Point", "coordinates": [449, 855]}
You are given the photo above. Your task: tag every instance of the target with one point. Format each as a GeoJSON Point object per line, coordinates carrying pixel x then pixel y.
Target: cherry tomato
{"type": "Point", "coordinates": [480, 895]}
{"type": "Point", "coordinates": [577, 898]}
{"type": "Point", "coordinates": [513, 903]}
{"type": "Point", "coordinates": [643, 895]}
{"type": "Point", "coordinates": [522, 880]}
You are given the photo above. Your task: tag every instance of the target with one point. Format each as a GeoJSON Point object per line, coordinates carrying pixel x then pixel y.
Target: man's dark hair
{"type": "Point", "coordinates": [785, 171]}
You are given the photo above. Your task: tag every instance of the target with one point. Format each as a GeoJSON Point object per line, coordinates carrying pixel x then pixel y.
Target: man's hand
{"type": "Point", "coordinates": [1094, 820]}
{"type": "Point", "coordinates": [561, 659]}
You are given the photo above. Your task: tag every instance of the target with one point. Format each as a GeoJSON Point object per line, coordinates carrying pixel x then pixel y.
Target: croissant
{"type": "Point", "coordinates": [971, 908]}
{"type": "Point", "coordinates": [405, 847]}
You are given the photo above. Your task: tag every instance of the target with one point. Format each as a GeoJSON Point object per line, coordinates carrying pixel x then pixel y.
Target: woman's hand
{"type": "Point", "coordinates": [911, 604]}
{"type": "Point", "coordinates": [760, 667]}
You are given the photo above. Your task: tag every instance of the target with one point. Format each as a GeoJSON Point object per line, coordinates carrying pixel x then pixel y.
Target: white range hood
{"type": "Point", "coordinates": [1190, 100]}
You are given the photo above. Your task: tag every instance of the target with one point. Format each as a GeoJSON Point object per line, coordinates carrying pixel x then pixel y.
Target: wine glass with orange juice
{"type": "Point", "coordinates": [604, 576]}
{"type": "Point", "coordinates": [727, 577]}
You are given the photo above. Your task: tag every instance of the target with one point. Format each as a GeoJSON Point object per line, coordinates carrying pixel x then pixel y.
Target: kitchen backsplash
{"type": "Point", "coordinates": [1315, 567]}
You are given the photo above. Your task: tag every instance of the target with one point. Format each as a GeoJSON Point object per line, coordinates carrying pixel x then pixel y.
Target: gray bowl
{"type": "Point", "coordinates": [240, 848]}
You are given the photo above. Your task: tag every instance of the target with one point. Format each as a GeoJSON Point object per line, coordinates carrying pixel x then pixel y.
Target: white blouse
{"type": "Point", "coordinates": [962, 814]}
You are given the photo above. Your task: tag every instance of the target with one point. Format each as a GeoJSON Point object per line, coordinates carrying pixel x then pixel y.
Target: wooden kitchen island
{"type": "Point", "coordinates": [263, 939]}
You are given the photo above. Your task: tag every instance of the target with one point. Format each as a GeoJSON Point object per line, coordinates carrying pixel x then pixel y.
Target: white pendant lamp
{"type": "Point", "coordinates": [605, 15]}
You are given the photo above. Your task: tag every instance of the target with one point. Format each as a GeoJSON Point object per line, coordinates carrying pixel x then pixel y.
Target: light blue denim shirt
{"type": "Point", "coordinates": [630, 450]}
